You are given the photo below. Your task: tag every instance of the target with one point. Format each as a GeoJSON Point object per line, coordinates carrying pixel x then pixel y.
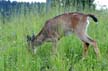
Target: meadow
{"type": "Point", "coordinates": [14, 55]}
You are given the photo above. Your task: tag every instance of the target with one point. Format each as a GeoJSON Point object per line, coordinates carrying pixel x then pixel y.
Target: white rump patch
{"type": "Point", "coordinates": [88, 22]}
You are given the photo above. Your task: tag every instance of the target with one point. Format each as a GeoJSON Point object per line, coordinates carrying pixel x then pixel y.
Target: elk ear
{"type": "Point", "coordinates": [33, 37]}
{"type": "Point", "coordinates": [28, 38]}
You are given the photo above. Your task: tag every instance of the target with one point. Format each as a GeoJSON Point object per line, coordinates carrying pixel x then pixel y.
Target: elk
{"type": "Point", "coordinates": [61, 25]}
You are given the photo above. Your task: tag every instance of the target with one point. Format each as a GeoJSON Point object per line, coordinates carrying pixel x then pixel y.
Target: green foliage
{"type": "Point", "coordinates": [14, 55]}
{"type": "Point", "coordinates": [77, 4]}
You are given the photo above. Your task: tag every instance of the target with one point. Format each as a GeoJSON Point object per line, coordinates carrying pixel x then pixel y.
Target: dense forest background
{"type": "Point", "coordinates": [9, 9]}
{"type": "Point", "coordinates": [19, 19]}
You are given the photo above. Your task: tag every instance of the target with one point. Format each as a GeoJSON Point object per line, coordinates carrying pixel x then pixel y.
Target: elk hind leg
{"type": "Point", "coordinates": [85, 49]}
{"type": "Point", "coordinates": [88, 40]}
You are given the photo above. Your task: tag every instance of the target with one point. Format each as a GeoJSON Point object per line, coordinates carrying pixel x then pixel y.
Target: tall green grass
{"type": "Point", "coordinates": [14, 55]}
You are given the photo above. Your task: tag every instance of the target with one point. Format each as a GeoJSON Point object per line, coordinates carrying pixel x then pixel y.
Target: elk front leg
{"type": "Point", "coordinates": [54, 44]}
{"type": "Point", "coordinates": [55, 37]}
{"type": "Point", "coordinates": [54, 47]}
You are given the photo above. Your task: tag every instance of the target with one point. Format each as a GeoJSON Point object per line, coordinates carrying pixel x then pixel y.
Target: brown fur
{"type": "Point", "coordinates": [63, 24]}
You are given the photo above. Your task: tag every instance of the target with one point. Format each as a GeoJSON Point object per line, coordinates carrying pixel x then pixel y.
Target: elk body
{"type": "Point", "coordinates": [62, 25]}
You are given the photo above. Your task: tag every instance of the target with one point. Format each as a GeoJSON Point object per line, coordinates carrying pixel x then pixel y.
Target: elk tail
{"type": "Point", "coordinates": [93, 17]}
